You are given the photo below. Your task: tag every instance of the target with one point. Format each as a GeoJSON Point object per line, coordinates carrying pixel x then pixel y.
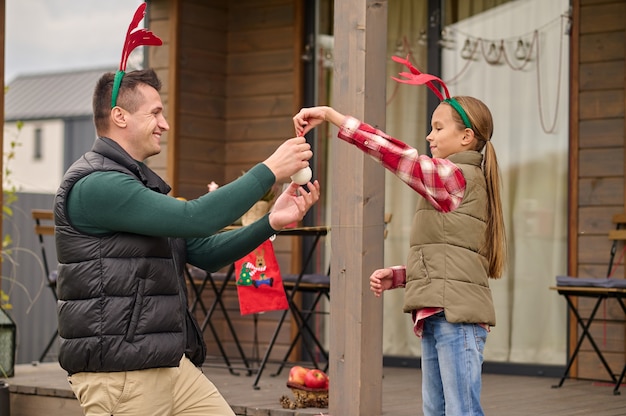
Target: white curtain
{"type": "Point", "coordinates": [407, 120]}
{"type": "Point", "coordinates": [530, 113]}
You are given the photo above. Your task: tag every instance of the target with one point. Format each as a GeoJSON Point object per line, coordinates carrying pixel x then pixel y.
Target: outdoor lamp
{"type": "Point", "coordinates": [7, 345]}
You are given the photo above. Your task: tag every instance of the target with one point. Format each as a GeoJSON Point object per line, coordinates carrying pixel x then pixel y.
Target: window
{"type": "Point", "coordinates": [37, 144]}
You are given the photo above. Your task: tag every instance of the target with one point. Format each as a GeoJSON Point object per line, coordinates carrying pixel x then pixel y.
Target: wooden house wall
{"type": "Point", "coordinates": [235, 70]}
{"type": "Point", "coordinates": [160, 20]}
{"type": "Point", "coordinates": [263, 80]}
{"type": "Point", "coordinates": [234, 67]}
{"type": "Point", "coordinates": [231, 83]}
{"type": "Point", "coordinates": [598, 127]}
{"type": "Point", "coordinates": [201, 95]}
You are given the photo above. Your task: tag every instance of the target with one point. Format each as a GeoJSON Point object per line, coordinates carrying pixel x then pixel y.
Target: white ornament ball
{"type": "Point", "coordinates": [302, 176]}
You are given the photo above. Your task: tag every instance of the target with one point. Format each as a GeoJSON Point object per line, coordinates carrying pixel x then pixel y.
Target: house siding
{"type": "Point", "coordinates": [238, 81]}
{"type": "Point", "coordinates": [597, 168]}
{"type": "Point", "coordinates": [231, 85]}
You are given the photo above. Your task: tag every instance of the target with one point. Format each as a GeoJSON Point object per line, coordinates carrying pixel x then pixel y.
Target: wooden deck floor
{"type": "Point", "coordinates": [40, 390]}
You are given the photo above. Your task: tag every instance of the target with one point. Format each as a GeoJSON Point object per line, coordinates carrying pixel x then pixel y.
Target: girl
{"type": "Point", "coordinates": [457, 242]}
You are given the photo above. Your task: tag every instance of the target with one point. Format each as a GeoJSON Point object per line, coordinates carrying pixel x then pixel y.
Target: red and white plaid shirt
{"type": "Point", "coordinates": [440, 181]}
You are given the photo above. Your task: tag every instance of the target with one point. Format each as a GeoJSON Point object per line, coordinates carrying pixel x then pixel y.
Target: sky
{"type": "Point", "coordinates": [63, 35]}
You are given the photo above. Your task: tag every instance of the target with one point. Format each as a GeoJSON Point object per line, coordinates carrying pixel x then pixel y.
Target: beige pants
{"type": "Point", "coordinates": [183, 390]}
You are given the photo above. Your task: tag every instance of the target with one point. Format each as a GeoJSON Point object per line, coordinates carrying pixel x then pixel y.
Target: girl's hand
{"type": "Point", "coordinates": [308, 118]}
{"type": "Point", "coordinates": [381, 280]}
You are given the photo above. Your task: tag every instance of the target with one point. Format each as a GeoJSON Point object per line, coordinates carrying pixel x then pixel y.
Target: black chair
{"type": "Point", "coordinates": [600, 289]}
{"type": "Point", "coordinates": [44, 227]}
{"type": "Point", "coordinates": [199, 280]}
{"type": "Point", "coordinates": [316, 284]}
{"type": "Point", "coordinates": [317, 287]}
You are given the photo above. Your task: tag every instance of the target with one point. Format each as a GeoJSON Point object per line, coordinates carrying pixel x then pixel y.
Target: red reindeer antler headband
{"type": "Point", "coordinates": [415, 77]}
{"type": "Point", "coordinates": [134, 37]}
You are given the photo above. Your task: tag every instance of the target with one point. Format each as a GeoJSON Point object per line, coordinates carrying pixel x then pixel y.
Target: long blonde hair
{"type": "Point", "coordinates": [495, 235]}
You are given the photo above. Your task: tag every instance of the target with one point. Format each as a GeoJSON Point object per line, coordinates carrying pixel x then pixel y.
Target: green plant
{"type": "Point", "coordinates": [9, 192]}
{"type": "Point", "coordinates": [9, 197]}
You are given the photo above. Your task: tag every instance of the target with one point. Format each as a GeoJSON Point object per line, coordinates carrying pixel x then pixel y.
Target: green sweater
{"type": "Point", "coordinates": [109, 202]}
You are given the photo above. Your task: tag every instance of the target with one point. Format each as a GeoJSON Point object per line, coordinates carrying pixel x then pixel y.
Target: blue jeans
{"type": "Point", "coordinates": [452, 357]}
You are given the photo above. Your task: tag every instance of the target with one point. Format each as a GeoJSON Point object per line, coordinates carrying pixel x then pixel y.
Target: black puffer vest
{"type": "Point", "coordinates": [122, 297]}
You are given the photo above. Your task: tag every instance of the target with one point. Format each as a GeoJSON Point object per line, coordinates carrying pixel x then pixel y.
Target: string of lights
{"type": "Point", "coordinates": [517, 52]}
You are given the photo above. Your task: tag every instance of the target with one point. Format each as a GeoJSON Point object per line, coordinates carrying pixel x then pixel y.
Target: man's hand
{"type": "Point", "coordinates": [292, 204]}
{"type": "Point", "coordinates": [289, 158]}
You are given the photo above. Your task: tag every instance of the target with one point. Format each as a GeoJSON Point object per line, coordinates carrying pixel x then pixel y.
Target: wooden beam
{"type": "Point", "coordinates": [358, 190]}
{"type": "Point", "coordinates": [621, 218]}
{"type": "Point", "coordinates": [2, 42]}
{"type": "Point", "coordinates": [173, 93]}
{"type": "Point", "coordinates": [573, 180]}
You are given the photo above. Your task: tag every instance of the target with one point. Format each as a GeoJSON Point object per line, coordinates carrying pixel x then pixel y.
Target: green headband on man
{"type": "Point", "coordinates": [418, 78]}
{"type": "Point", "coordinates": [134, 37]}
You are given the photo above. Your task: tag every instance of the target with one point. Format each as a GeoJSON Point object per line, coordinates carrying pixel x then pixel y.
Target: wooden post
{"type": "Point", "coordinates": [2, 42]}
{"type": "Point", "coordinates": [358, 191]}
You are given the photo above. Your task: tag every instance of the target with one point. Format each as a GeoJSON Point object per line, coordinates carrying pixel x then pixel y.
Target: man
{"type": "Point", "coordinates": [128, 342]}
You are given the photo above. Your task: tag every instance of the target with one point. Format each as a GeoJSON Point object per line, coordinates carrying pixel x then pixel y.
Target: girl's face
{"type": "Point", "coordinates": [446, 138]}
